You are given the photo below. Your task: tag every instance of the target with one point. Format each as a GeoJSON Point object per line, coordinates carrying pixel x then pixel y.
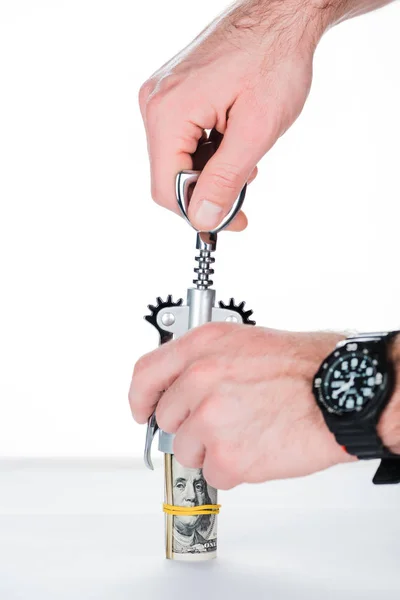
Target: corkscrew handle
{"type": "Point", "coordinates": [186, 180]}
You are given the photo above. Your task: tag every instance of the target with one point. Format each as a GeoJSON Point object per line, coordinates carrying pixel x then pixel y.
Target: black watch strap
{"type": "Point", "coordinates": [364, 441]}
{"type": "Point", "coordinates": [364, 444]}
{"type": "Point", "coordinates": [388, 472]}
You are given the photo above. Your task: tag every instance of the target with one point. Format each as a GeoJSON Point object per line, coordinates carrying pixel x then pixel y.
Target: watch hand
{"type": "Point", "coordinates": [344, 388]}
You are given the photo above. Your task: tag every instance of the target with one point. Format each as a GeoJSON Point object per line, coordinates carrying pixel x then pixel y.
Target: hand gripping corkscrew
{"type": "Point", "coordinates": [172, 320]}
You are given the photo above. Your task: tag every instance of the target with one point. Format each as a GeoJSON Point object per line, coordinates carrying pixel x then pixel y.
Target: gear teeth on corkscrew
{"type": "Point", "coordinates": [245, 314]}
{"type": "Point", "coordinates": [165, 336]}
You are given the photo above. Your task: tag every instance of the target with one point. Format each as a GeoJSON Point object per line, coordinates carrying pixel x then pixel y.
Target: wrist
{"type": "Point", "coordinates": [389, 424]}
{"type": "Point", "coordinates": [296, 25]}
{"type": "Point", "coordinates": [333, 12]}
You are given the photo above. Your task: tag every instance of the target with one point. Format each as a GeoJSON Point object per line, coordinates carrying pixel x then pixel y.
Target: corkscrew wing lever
{"type": "Point", "coordinates": [152, 428]}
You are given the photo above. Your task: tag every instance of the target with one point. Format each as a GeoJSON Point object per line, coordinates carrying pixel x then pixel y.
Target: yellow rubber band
{"type": "Point", "coordinates": [205, 509]}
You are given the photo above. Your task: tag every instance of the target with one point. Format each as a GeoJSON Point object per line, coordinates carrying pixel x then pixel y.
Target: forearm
{"type": "Point", "coordinates": [295, 23]}
{"type": "Point", "coordinates": [341, 10]}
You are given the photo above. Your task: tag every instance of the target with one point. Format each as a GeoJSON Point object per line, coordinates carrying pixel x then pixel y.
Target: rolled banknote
{"type": "Point", "coordinates": [189, 537]}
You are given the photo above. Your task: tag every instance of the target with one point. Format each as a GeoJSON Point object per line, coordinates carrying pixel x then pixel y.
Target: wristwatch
{"type": "Point", "coordinates": [352, 387]}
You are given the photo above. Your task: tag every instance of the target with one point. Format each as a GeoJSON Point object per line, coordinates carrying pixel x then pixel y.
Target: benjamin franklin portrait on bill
{"type": "Point", "coordinates": [192, 533]}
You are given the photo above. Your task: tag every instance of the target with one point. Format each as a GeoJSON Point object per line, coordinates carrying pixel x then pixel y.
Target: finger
{"type": "Point", "coordinates": [253, 175]}
{"type": "Point", "coordinates": [173, 134]}
{"type": "Point", "coordinates": [217, 470]}
{"type": "Point", "coordinates": [155, 372]}
{"type": "Point", "coordinates": [168, 155]}
{"type": "Point", "coordinates": [246, 140]}
{"type": "Point", "coordinates": [186, 393]}
{"type": "Point", "coordinates": [240, 222]}
{"type": "Point", "coordinates": [188, 448]}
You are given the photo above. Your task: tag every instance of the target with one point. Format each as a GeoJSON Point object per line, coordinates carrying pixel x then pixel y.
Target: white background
{"type": "Point", "coordinates": [83, 249]}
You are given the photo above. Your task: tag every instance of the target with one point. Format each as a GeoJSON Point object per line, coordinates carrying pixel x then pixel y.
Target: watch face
{"type": "Point", "coordinates": [350, 380]}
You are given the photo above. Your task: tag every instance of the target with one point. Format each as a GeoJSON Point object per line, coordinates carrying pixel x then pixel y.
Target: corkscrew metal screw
{"type": "Point", "coordinates": [174, 319]}
{"type": "Point", "coordinates": [206, 241]}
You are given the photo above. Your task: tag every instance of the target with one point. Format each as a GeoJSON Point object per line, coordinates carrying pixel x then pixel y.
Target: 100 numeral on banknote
{"type": "Point", "coordinates": [189, 537]}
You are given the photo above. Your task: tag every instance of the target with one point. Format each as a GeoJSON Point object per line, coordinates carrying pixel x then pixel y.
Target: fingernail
{"type": "Point", "coordinates": [208, 215]}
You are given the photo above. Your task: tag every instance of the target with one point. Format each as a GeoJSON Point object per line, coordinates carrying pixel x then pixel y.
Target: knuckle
{"type": "Point", "coordinates": [261, 339]}
{"type": "Point", "coordinates": [144, 92]}
{"type": "Point", "coordinates": [200, 370]}
{"type": "Point", "coordinates": [224, 460]}
{"type": "Point", "coordinates": [217, 328]}
{"type": "Point", "coordinates": [169, 82]}
{"type": "Point", "coordinates": [208, 412]}
{"type": "Point", "coordinates": [141, 365]}
{"type": "Point", "coordinates": [205, 334]}
{"type": "Point", "coordinates": [154, 106]}
{"type": "Point", "coordinates": [157, 193]}
{"type": "Point", "coordinates": [226, 177]}
{"type": "Point", "coordinates": [160, 95]}
{"type": "Point", "coordinates": [249, 341]}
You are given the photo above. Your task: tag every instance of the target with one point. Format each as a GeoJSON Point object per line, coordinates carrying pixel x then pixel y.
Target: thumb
{"type": "Point", "coordinates": [226, 173]}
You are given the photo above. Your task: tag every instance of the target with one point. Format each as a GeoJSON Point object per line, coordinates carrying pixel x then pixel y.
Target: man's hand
{"type": "Point", "coordinates": [240, 402]}
{"type": "Point", "coordinates": [247, 75]}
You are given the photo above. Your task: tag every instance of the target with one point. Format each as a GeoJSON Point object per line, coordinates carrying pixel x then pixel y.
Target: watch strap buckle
{"type": "Point", "coordinates": [388, 472]}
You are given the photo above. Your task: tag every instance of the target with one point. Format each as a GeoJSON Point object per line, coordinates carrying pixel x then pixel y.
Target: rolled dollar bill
{"type": "Point", "coordinates": [189, 536]}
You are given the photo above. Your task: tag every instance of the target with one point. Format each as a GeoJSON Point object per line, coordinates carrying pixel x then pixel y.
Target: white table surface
{"type": "Point", "coordinates": [94, 529]}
